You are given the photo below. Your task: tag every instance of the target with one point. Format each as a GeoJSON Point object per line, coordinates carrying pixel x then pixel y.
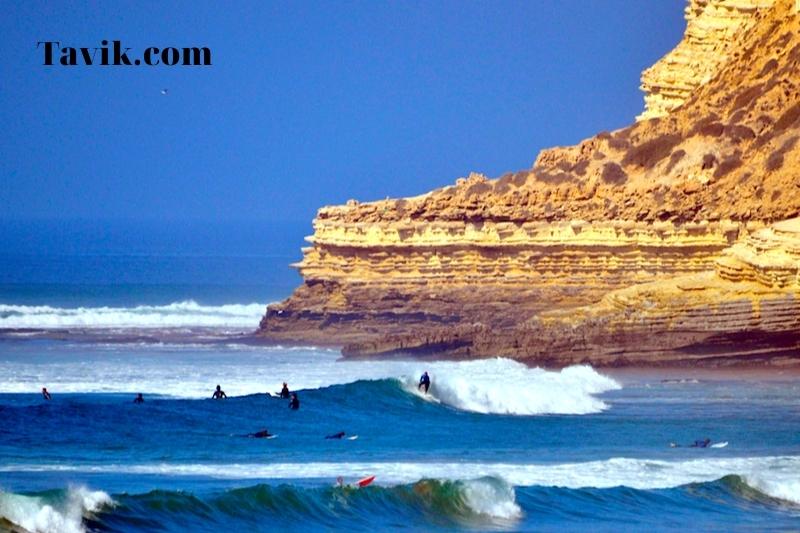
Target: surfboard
{"type": "Point", "coordinates": [719, 444]}
{"type": "Point", "coordinates": [366, 481]}
{"type": "Point", "coordinates": [352, 437]}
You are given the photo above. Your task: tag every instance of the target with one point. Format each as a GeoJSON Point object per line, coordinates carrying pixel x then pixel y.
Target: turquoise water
{"type": "Point", "coordinates": [495, 445]}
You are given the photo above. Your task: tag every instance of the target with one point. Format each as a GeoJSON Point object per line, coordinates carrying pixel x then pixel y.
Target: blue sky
{"type": "Point", "coordinates": [307, 103]}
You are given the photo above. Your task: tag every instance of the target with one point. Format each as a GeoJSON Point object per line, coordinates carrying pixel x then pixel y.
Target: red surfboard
{"type": "Point", "coordinates": [366, 481]}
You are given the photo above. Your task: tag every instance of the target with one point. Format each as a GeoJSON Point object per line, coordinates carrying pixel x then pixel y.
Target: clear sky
{"type": "Point", "coordinates": [307, 103]}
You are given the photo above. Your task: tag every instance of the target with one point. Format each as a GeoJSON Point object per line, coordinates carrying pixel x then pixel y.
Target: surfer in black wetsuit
{"type": "Point", "coordinates": [219, 394]}
{"type": "Point", "coordinates": [705, 443]}
{"type": "Point", "coordinates": [339, 435]}
{"type": "Point", "coordinates": [294, 403]}
{"type": "Point", "coordinates": [424, 381]}
{"type": "Point", "coordinates": [285, 391]}
{"type": "Point", "coordinates": [263, 434]}
{"type": "Point", "coordinates": [139, 398]}
{"type": "Point", "coordinates": [45, 394]}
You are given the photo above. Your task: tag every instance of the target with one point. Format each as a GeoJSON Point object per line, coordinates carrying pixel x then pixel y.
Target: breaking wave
{"type": "Point", "coordinates": [178, 314]}
{"type": "Point", "coordinates": [58, 511]}
{"type": "Point", "coordinates": [483, 503]}
{"type": "Point", "coordinates": [502, 386]}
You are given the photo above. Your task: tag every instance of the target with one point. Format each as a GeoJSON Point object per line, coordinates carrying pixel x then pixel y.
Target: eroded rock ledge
{"type": "Point", "coordinates": [484, 267]}
{"type": "Point", "coordinates": [745, 311]}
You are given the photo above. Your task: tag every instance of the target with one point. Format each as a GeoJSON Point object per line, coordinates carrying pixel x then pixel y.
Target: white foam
{"type": "Point", "coordinates": [781, 488]}
{"type": "Point", "coordinates": [33, 513]}
{"type": "Point", "coordinates": [485, 386]}
{"type": "Point", "coordinates": [188, 314]}
{"type": "Point", "coordinates": [489, 498]}
{"type": "Point", "coordinates": [776, 476]}
{"type": "Point", "coordinates": [503, 386]}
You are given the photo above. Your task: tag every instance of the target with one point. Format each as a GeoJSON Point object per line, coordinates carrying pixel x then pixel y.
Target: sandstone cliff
{"type": "Point", "coordinates": [659, 199]}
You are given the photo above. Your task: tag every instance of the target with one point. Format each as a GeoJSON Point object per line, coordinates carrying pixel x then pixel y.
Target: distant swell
{"type": "Point", "coordinates": [775, 476]}
{"type": "Point", "coordinates": [174, 315]}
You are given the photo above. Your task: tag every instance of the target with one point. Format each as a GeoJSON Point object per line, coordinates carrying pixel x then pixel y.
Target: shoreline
{"type": "Point", "coordinates": [690, 368]}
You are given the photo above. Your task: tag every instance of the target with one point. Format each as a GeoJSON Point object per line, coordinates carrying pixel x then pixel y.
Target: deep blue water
{"type": "Point", "coordinates": [495, 445]}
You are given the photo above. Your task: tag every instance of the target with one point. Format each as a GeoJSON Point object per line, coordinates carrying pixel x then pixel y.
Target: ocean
{"type": "Point", "coordinates": [108, 312]}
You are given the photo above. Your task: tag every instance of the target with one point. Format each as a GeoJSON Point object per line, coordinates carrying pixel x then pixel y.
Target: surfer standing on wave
{"type": "Point", "coordinates": [219, 394]}
{"type": "Point", "coordinates": [285, 390]}
{"type": "Point", "coordinates": [424, 381]}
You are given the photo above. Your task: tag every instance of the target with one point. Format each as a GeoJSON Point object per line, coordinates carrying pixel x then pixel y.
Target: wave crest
{"type": "Point", "coordinates": [503, 386]}
{"type": "Point", "coordinates": [54, 511]}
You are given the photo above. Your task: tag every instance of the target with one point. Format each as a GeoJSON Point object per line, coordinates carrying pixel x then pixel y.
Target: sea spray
{"type": "Point", "coordinates": [54, 511]}
{"type": "Point", "coordinates": [502, 386]}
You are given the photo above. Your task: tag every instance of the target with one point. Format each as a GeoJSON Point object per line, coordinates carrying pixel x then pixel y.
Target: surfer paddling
{"type": "Point", "coordinates": [294, 403]}
{"type": "Point", "coordinates": [703, 443]}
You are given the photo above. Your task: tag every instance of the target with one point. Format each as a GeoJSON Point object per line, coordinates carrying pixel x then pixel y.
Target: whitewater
{"type": "Point", "coordinates": [494, 445]}
{"type": "Point", "coordinates": [192, 371]}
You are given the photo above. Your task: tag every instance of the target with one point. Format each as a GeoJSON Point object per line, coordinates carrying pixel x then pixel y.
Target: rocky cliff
{"type": "Point", "coordinates": [660, 199]}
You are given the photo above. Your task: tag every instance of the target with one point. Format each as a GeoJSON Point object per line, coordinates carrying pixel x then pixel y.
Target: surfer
{"type": "Point", "coordinates": [285, 391]}
{"type": "Point", "coordinates": [45, 394]}
{"type": "Point", "coordinates": [705, 443]}
{"type": "Point", "coordinates": [339, 435]}
{"type": "Point", "coordinates": [139, 398]}
{"type": "Point", "coordinates": [294, 403]}
{"type": "Point", "coordinates": [263, 434]}
{"type": "Point", "coordinates": [424, 381]}
{"type": "Point", "coordinates": [219, 394]}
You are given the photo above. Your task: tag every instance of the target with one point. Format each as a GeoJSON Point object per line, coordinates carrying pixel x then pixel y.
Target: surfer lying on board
{"type": "Point", "coordinates": [424, 381]}
{"type": "Point", "coordinates": [219, 394]}
{"type": "Point", "coordinates": [339, 435]}
{"type": "Point", "coordinates": [361, 483]}
{"type": "Point", "coordinates": [285, 391]}
{"type": "Point", "coordinates": [263, 434]}
{"type": "Point", "coordinates": [705, 443]}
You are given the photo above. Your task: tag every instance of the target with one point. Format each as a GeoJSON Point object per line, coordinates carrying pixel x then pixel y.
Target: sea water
{"type": "Point", "coordinates": [494, 445]}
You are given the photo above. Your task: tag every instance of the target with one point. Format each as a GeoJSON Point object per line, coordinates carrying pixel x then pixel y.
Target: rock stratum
{"type": "Point", "coordinates": [670, 241]}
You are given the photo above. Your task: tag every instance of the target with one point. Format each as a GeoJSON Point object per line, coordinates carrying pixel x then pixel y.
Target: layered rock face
{"type": "Point", "coordinates": [711, 30]}
{"type": "Point", "coordinates": [659, 199]}
{"type": "Point", "coordinates": [745, 311]}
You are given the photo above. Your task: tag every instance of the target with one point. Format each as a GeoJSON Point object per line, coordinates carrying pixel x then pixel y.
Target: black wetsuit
{"type": "Point", "coordinates": [425, 381]}
{"type": "Point", "coordinates": [294, 403]}
{"type": "Point", "coordinates": [339, 435]}
{"type": "Point", "coordinates": [285, 392]}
